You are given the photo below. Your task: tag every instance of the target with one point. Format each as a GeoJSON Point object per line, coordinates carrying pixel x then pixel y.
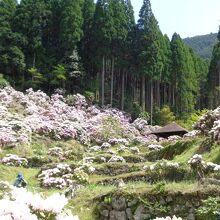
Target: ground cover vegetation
{"type": "Point", "coordinates": [82, 89]}
{"type": "Point", "coordinates": [94, 160]}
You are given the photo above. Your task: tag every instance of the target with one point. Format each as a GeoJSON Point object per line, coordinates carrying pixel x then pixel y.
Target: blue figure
{"type": "Point", "coordinates": [20, 182]}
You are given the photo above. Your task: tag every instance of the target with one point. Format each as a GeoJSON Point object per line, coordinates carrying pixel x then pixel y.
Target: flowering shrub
{"type": "Point", "coordinates": [105, 146]}
{"type": "Point", "coordinates": [4, 189]}
{"type": "Point", "coordinates": [174, 138]}
{"type": "Point", "coordinates": [122, 148]}
{"type": "Point", "coordinates": [14, 160]}
{"type": "Point", "coordinates": [116, 158]}
{"type": "Point", "coordinates": [56, 151]}
{"type": "Point", "coordinates": [155, 147]}
{"type": "Point", "coordinates": [192, 134]}
{"type": "Point", "coordinates": [80, 176]}
{"type": "Point", "coordinates": [162, 165]}
{"type": "Point", "coordinates": [210, 123]}
{"type": "Point", "coordinates": [134, 150]}
{"type": "Point", "coordinates": [59, 177]}
{"type": "Point", "coordinates": [212, 167]}
{"type": "Point", "coordinates": [35, 112]}
{"type": "Point", "coordinates": [168, 218]}
{"type": "Point", "coordinates": [23, 205]}
{"type": "Point", "coordinates": [197, 162]}
{"type": "Point", "coordinates": [114, 141]}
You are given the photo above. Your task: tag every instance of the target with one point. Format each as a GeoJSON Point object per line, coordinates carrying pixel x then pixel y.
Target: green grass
{"type": "Point", "coordinates": [9, 174]}
{"type": "Point", "coordinates": [85, 202]}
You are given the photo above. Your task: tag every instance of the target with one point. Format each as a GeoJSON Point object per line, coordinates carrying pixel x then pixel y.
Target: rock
{"type": "Point", "coordinates": [120, 183]}
{"type": "Point", "coordinates": [119, 203]}
{"type": "Point", "coordinates": [135, 150]}
{"type": "Point", "coordinates": [141, 214]}
{"type": "Point", "coordinates": [129, 214]}
{"type": "Point", "coordinates": [104, 213]}
{"type": "Point", "coordinates": [191, 217]}
{"type": "Point", "coordinates": [132, 203]}
{"type": "Point", "coordinates": [117, 215]}
{"type": "Point", "coordinates": [169, 199]}
{"type": "Point", "coordinates": [162, 201]}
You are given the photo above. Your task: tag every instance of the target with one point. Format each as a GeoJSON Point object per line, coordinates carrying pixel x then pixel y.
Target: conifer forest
{"type": "Point", "coordinates": [99, 50]}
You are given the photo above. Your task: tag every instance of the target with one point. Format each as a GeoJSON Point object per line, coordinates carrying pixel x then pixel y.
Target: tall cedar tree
{"type": "Point", "coordinates": [71, 23]}
{"type": "Point", "coordinates": [214, 76]}
{"type": "Point", "coordinates": [30, 20]}
{"type": "Point", "coordinates": [11, 56]}
{"type": "Point", "coordinates": [149, 51]}
{"type": "Point", "coordinates": [184, 79]}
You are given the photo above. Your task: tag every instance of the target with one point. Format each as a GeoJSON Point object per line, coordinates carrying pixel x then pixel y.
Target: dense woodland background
{"type": "Point", "coordinates": [98, 49]}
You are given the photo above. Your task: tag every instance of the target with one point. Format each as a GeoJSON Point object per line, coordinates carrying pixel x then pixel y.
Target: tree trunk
{"type": "Point", "coordinates": [158, 93]}
{"type": "Point", "coordinates": [34, 60]}
{"type": "Point", "coordinates": [151, 102]}
{"type": "Point", "coordinates": [164, 94]}
{"type": "Point", "coordinates": [112, 81]}
{"type": "Point", "coordinates": [143, 92]}
{"type": "Point", "coordinates": [122, 90]}
{"type": "Point", "coordinates": [103, 81]}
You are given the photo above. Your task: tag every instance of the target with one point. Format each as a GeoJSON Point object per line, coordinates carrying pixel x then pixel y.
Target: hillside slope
{"type": "Point", "coordinates": [99, 164]}
{"type": "Point", "coordinates": [203, 44]}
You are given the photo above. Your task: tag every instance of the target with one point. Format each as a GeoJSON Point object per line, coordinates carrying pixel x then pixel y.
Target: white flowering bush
{"type": "Point", "coordinates": [14, 160]}
{"type": "Point", "coordinates": [80, 176]}
{"type": "Point", "coordinates": [212, 167]}
{"type": "Point", "coordinates": [209, 123]}
{"type": "Point", "coordinates": [116, 158]}
{"type": "Point", "coordinates": [105, 146]}
{"type": "Point", "coordinates": [122, 148]}
{"type": "Point", "coordinates": [168, 218]}
{"type": "Point", "coordinates": [24, 205]}
{"type": "Point", "coordinates": [59, 177]}
{"type": "Point", "coordinates": [197, 162]}
{"type": "Point", "coordinates": [163, 165]}
{"type": "Point", "coordinates": [174, 138]}
{"type": "Point", "coordinates": [114, 141]}
{"type": "Point", "coordinates": [192, 134]}
{"type": "Point", "coordinates": [5, 187]}
{"type": "Point", "coordinates": [155, 146]}
{"type": "Point", "coordinates": [134, 150]}
{"type": "Point", "coordinates": [56, 151]}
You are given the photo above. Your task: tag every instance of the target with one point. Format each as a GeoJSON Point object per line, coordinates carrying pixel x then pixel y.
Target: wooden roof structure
{"type": "Point", "coordinates": [169, 130]}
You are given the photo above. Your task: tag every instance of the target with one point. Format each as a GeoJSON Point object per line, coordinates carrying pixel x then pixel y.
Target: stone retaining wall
{"type": "Point", "coordinates": [122, 206]}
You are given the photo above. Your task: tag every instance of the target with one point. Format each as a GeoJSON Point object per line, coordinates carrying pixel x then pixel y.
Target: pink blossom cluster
{"type": "Point", "coordinates": [22, 114]}
{"type": "Point", "coordinates": [23, 205]}
{"type": "Point", "coordinates": [210, 123]}
{"type": "Point", "coordinates": [14, 160]}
